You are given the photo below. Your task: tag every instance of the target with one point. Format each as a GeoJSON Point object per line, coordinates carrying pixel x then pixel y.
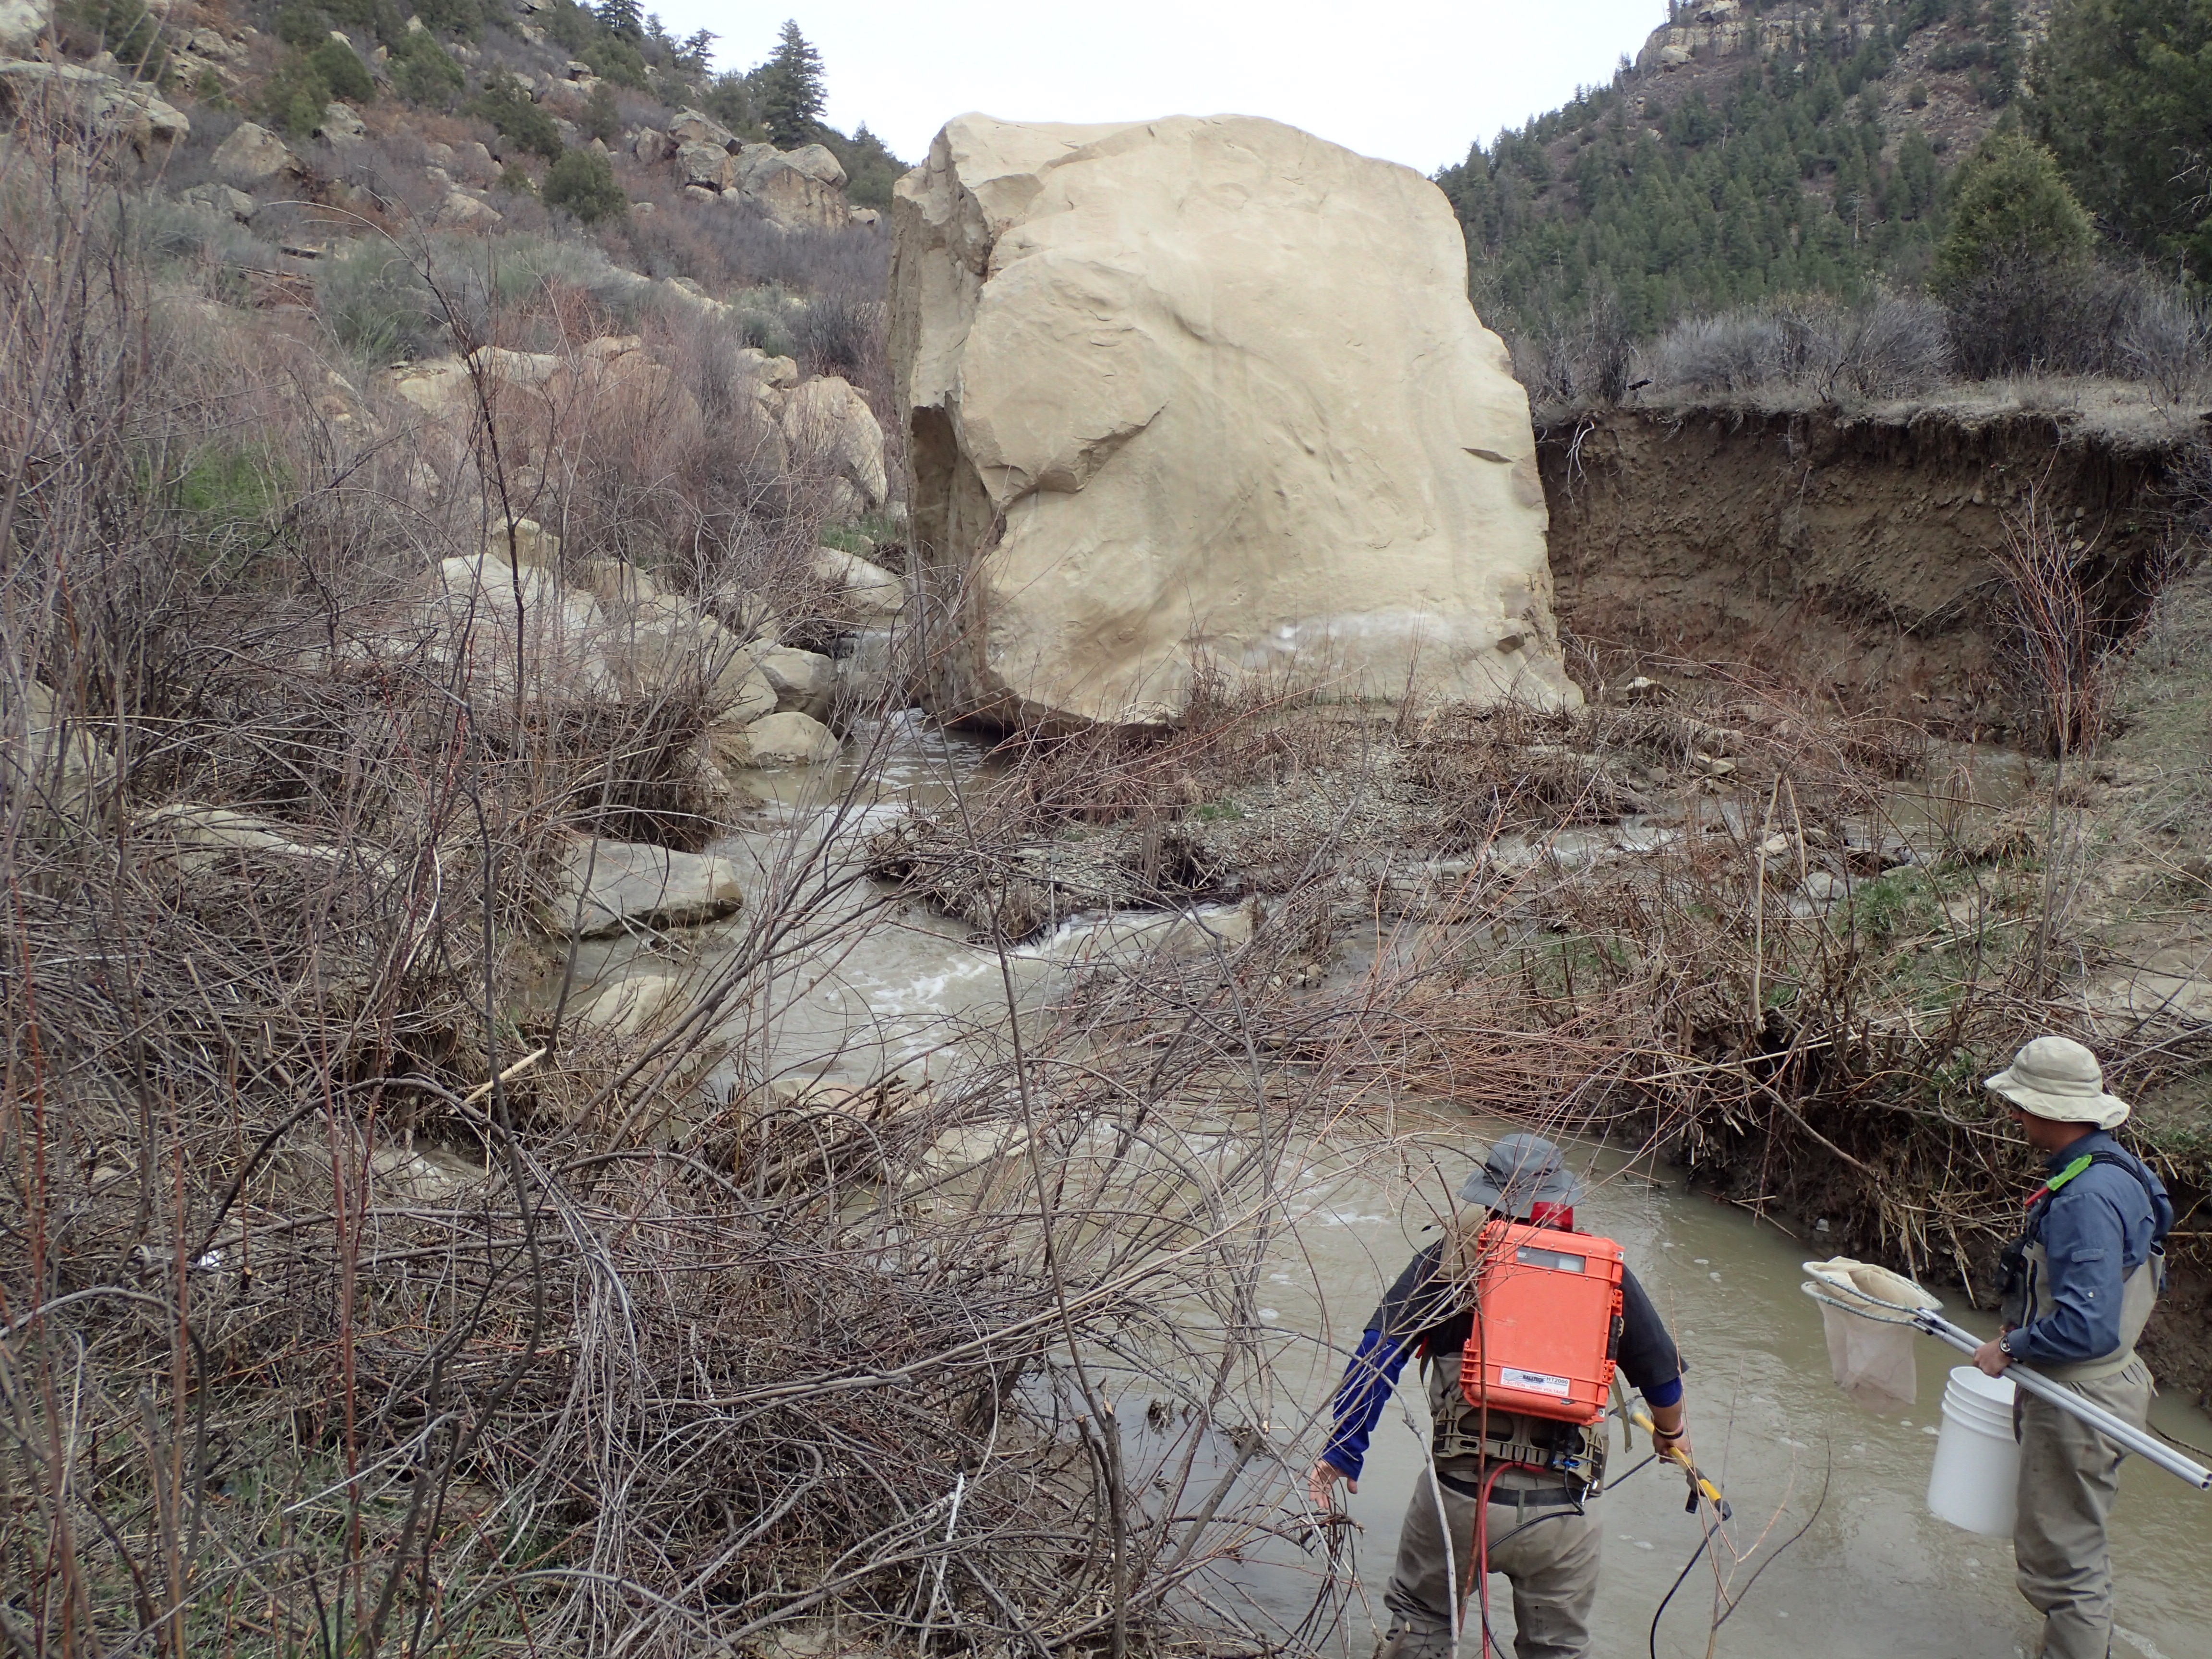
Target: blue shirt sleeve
{"type": "Point", "coordinates": [1361, 1396]}
{"type": "Point", "coordinates": [2085, 1239]}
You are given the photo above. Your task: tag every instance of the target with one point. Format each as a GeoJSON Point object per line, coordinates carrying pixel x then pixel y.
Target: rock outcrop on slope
{"type": "Point", "coordinates": [801, 189]}
{"type": "Point", "coordinates": [1206, 392]}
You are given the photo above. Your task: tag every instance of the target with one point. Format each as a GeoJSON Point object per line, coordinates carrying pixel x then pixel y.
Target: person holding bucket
{"type": "Point", "coordinates": [2080, 1282]}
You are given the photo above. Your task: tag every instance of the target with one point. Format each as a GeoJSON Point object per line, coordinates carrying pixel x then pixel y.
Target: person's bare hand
{"type": "Point", "coordinates": [1991, 1360]}
{"type": "Point", "coordinates": [1678, 1450]}
{"type": "Point", "coordinates": [1321, 1484]}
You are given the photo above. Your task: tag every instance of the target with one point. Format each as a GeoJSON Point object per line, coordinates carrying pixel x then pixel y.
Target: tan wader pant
{"type": "Point", "coordinates": [1551, 1564]}
{"type": "Point", "coordinates": [2068, 1474]}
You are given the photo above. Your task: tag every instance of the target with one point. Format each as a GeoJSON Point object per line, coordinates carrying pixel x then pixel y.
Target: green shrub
{"type": "Point", "coordinates": [343, 72]}
{"type": "Point", "coordinates": [128, 30]}
{"type": "Point", "coordinates": [506, 105]}
{"type": "Point", "coordinates": [618, 61]}
{"type": "Point", "coordinates": [583, 182]}
{"type": "Point", "coordinates": [230, 499]}
{"type": "Point", "coordinates": [302, 26]}
{"type": "Point", "coordinates": [424, 72]}
{"type": "Point", "coordinates": [384, 19]}
{"type": "Point", "coordinates": [374, 301]}
{"type": "Point", "coordinates": [462, 18]}
{"type": "Point", "coordinates": [602, 119]}
{"type": "Point", "coordinates": [572, 26]}
{"type": "Point", "coordinates": [293, 98]}
{"type": "Point", "coordinates": [515, 179]}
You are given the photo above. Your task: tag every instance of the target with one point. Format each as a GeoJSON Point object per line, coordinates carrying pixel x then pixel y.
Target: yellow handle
{"type": "Point", "coordinates": [1675, 1455]}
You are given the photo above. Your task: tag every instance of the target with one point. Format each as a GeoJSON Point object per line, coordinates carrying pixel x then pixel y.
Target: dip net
{"type": "Point", "coordinates": [1866, 1312]}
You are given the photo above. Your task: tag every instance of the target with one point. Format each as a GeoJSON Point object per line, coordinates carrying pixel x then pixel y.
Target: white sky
{"type": "Point", "coordinates": [1413, 80]}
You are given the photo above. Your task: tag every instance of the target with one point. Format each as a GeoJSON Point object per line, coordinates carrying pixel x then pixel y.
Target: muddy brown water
{"type": "Point", "coordinates": [1873, 1573]}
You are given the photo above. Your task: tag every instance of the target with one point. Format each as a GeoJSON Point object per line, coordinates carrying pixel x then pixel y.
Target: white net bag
{"type": "Point", "coordinates": [1866, 1312]}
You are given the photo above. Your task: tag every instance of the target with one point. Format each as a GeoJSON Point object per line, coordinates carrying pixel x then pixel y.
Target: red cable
{"type": "Point", "coordinates": [1481, 1561]}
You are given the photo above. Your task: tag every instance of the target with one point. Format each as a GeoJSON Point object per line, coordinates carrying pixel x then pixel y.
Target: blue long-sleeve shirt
{"type": "Point", "coordinates": [1418, 1313]}
{"type": "Point", "coordinates": [2100, 1227]}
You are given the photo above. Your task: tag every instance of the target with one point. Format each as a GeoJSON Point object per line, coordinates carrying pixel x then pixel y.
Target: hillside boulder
{"type": "Point", "coordinates": [252, 154]}
{"type": "Point", "coordinates": [21, 24]}
{"type": "Point", "coordinates": [802, 189]}
{"type": "Point", "coordinates": [104, 107]}
{"type": "Point", "coordinates": [1206, 391]}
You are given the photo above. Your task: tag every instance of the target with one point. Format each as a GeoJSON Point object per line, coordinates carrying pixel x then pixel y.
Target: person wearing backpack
{"type": "Point", "coordinates": [2080, 1283]}
{"type": "Point", "coordinates": [1517, 1407]}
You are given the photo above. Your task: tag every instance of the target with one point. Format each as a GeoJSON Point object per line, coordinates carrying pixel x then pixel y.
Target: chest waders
{"type": "Point", "coordinates": [2028, 1295]}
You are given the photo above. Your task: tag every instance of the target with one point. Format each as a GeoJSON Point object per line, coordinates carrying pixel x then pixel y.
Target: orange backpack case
{"type": "Point", "coordinates": [1546, 1322]}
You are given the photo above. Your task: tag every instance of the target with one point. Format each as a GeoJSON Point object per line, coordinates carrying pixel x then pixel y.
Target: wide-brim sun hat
{"type": "Point", "coordinates": [1521, 1172]}
{"type": "Point", "coordinates": [2058, 1078]}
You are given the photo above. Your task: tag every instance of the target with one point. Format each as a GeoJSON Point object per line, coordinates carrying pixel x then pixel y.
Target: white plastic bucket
{"type": "Point", "coordinates": [1976, 1475]}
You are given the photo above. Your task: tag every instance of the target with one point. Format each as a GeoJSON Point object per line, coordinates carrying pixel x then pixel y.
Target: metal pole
{"type": "Point", "coordinates": [2116, 1430]}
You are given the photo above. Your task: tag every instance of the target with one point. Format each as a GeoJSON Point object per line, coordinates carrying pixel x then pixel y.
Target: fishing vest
{"type": "Point", "coordinates": [2027, 1292]}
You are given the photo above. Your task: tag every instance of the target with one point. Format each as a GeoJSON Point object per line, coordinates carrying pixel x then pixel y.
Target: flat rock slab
{"type": "Point", "coordinates": [609, 887]}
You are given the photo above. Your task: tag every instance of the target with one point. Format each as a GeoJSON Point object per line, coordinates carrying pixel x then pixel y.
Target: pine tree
{"type": "Point", "coordinates": [789, 90]}
{"type": "Point", "coordinates": [2010, 205]}
{"type": "Point", "coordinates": [622, 19]}
{"type": "Point", "coordinates": [2124, 98]}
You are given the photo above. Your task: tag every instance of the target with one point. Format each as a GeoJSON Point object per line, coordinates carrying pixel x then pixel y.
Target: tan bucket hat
{"type": "Point", "coordinates": [2058, 1078]}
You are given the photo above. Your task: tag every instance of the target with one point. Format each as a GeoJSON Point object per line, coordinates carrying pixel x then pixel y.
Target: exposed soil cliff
{"type": "Point", "coordinates": [1849, 552]}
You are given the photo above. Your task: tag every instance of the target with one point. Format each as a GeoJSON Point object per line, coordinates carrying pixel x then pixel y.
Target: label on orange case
{"type": "Point", "coordinates": [1535, 1381]}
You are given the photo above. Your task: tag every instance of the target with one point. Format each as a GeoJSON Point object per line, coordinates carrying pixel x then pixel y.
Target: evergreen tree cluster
{"type": "Point", "coordinates": [1784, 180]}
{"type": "Point", "coordinates": [1797, 173]}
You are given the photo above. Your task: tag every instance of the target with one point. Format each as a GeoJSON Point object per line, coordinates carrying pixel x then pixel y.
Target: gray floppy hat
{"type": "Point", "coordinates": [2058, 1078]}
{"type": "Point", "coordinates": [1521, 1172]}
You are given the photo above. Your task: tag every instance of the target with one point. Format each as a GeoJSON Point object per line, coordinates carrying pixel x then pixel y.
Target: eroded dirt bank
{"type": "Point", "coordinates": [1852, 552]}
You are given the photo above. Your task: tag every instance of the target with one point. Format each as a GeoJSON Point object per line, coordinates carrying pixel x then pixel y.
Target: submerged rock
{"type": "Point", "coordinates": [786, 739]}
{"type": "Point", "coordinates": [1207, 391]}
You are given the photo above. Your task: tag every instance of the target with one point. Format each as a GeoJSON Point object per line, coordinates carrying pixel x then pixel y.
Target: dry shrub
{"type": "Point", "coordinates": [2064, 647]}
{"type": "Point", "coordinates": [2169, 342]}
{"type": "Point", "coordinates": [2028, 316]}
{"type": "Point", "coordinates": [1585, 356]}
{"type": "Point", "coordinates": [1893, 346]}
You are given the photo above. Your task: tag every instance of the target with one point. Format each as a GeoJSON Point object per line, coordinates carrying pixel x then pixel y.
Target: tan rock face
{"type": "Point", "coordinates": [252, 153]}
{"type": "Point", "coordinates": [832, 432]}
{"type": "Point", "coordinates": [1206, 391]}
{"type": "Point", "coordinates": [804, 188]}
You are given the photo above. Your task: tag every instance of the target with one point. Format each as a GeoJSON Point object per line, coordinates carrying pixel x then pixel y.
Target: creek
{"type": "Point", "coordinates": [1873, 1572]}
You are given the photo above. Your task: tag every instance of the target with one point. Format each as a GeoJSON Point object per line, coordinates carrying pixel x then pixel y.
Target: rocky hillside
{"type": "Point", "coordinates": [294, 130]}
{"type": "Point", "coordinates": [1751, 148]}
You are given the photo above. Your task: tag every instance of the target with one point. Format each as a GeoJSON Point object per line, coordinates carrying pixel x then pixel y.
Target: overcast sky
{"type": "Point", "coordinates": [1411, 80]}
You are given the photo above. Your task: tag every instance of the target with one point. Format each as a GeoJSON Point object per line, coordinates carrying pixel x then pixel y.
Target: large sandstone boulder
{"type": "Point", "coordinates": [604, 888]}
{"type": "Point", "coordinates": [1206, 391]}
{"type": "Point", "coordinates": [21, 24]}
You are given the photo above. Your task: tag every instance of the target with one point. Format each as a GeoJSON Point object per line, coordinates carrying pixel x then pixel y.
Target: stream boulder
{"type": "Point", "coordinates": [1206, 393]}
{"type": "Point", "coordinates": [605, 888]}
